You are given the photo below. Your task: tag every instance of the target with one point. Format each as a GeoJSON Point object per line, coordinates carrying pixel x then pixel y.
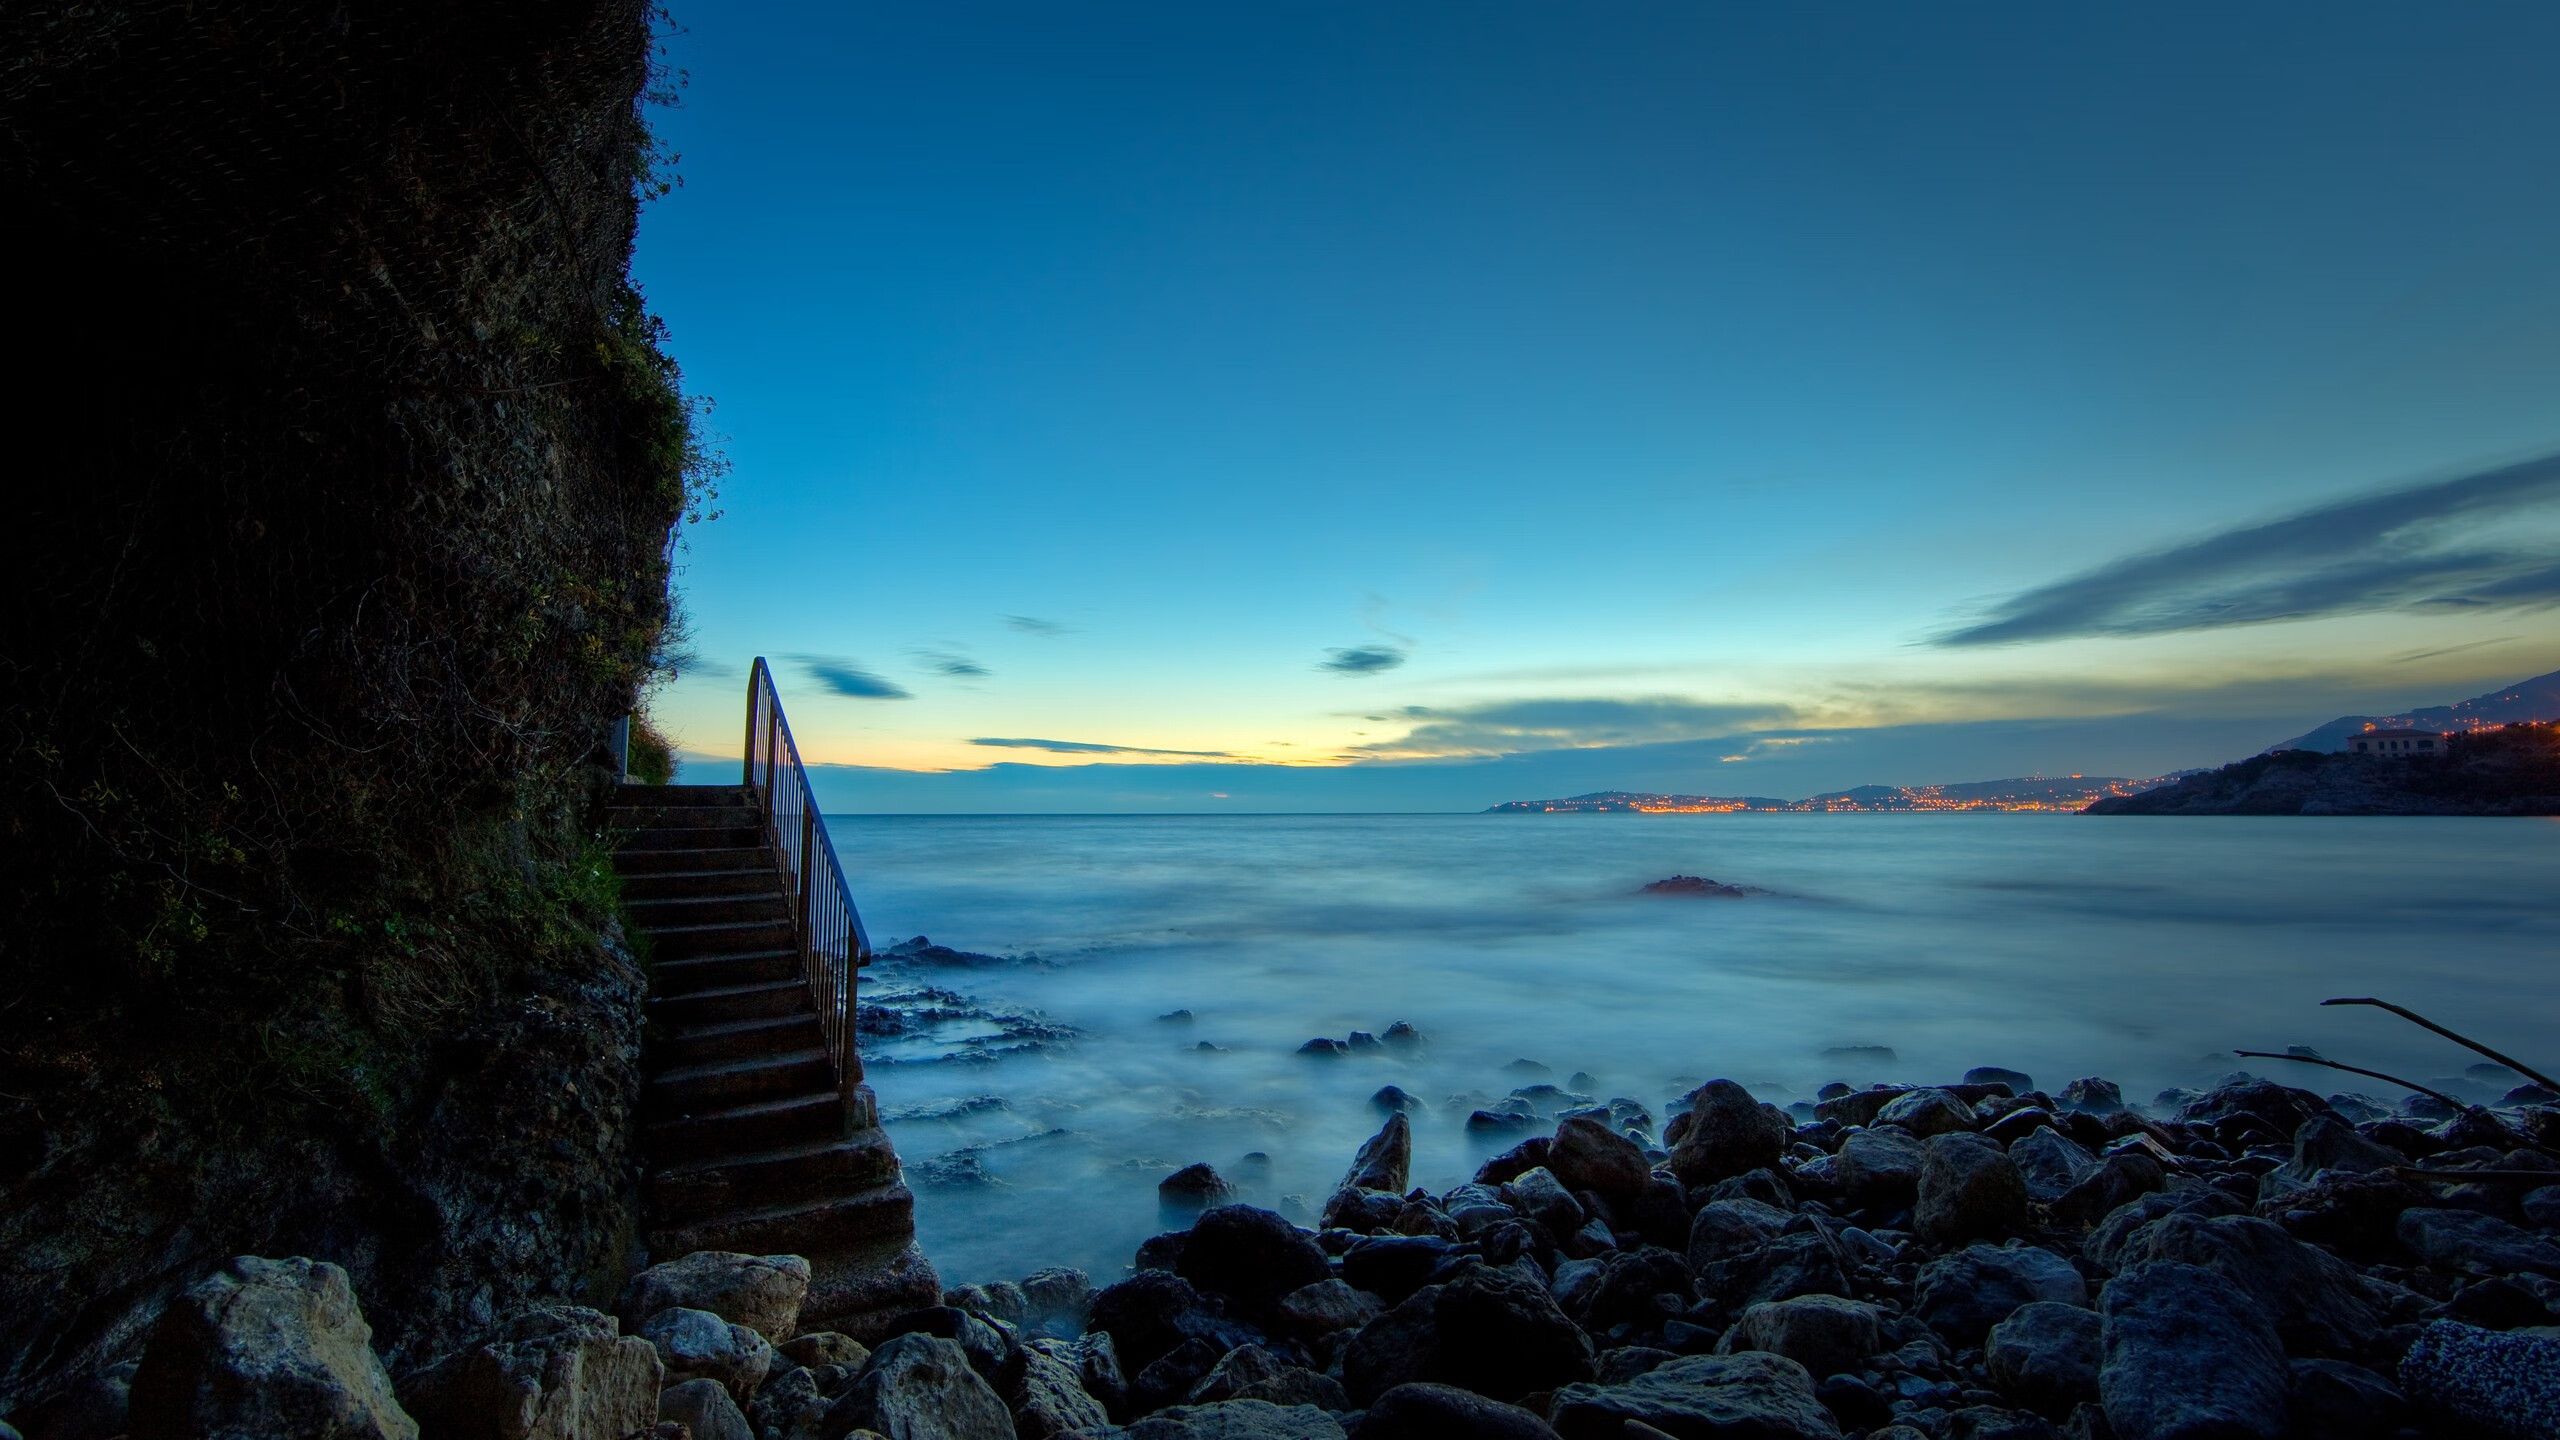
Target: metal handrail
{"type": "Point", "coordinates": [833, 945]}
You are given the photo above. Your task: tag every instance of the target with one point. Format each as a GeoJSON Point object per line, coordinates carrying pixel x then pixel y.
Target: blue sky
{"type": "Point", "coordinates": [1418, 406]}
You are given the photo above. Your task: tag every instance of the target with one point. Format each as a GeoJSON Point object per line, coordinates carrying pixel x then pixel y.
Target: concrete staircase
{"type": "Point", "coordinates": [753, 1142]}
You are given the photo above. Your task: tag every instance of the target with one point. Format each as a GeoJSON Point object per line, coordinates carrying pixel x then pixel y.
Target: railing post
{"type": "Point", "coordinates": [755, 683]}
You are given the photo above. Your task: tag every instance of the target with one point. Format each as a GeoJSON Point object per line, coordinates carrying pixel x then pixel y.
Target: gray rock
{"type": "Point", "coordinates": [2106, 1244]}
{"type": "Point", "coordinates": [1194, 1186]}
{"type": "Point", "coordinates": [1252, 1257]}
{"type": "Point", "coordinates": [1925, 1113]}
{"type": "Point", "coordinates": [2018, 1081]}
{"type": "Point", "coordinates": [1588, 1155]}
{"type": "Point", "coordinates": [2185, 1356]}
{"type": "Point", "coordinates": [921, 1387]}
{"type": "Point", "coordinates": [704, 1408]}
{"type": "Point", "coordinates": [1540, 1196]}
{"type": "Point", "coordinates": [2334, 1400]}
{"type": "Point", "coordinates": [266, 1348]}
{"type": "Point", "coordinates": [1385, 1161]}
{"type": "Point", "coordinates": [2325, 1142]}
{"type": "Point", "coordinates": [2477, 1244]}
{"type": "Point", "coordinates": [2051, 1163]}
{"type": "Point", "coordinates": [1879, 1169]}
{"type": "Point", "coordinates": [1969, 1190]}
{"type": "Point", "coordinates": [1060, 1292]}
{"type": "Point", "coordinates": [1251, 1372]}
{"type": "Point", "coordinates": [2320, 1303]}
{"type": "Point", "coordinates": [1726, 1229]}
{"type": "Point", "coordinates": [1236, 1420]}
{"type": "Point", "coordinates": [1728, 1134]}
{"type": "Point", "coordinates": [1800, 1262]}
{"type": "Point", "coordinates": [1047, 1394]}
{"type": "Point", "coordinates": [823, 1347]}
{"type": "Point", "coordinates": [555, 1372]}
{"type": "Point", "coordinates": [2499, 1385]}
{"type": "Point", "coordinates": [793, 1405]}
{"type": "Point", "coordinates": [698, 1345]}
{"type": "Point", "coordinates": [1824, 1333]}
{"type": "Point", "coordinates": [1493, 1331]}
{"type": "Point", "coordinates": [2122, 1177]}
{"type": "Point", "coordinates": [762, 1292]}
{"type": "Point", "coordinates": [1749, 1396]}
{"type": "Point", "coordinates": [1328, 1307]}
{"type": "Point", "coordinates": [1445, 1412]}
{"type": "Point", "coordinates": [2092, 1094]}
{"type": "Point", "coordinates": [1963, 1295]}
{"type": "Point", "coordinates": [2045, 1357]}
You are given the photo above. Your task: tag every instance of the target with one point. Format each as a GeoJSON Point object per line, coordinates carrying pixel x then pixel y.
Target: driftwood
{"type": "Point", "coordinates": [2414, 1018]}
{"type": "Point", "coordinates": [2462, 1105]}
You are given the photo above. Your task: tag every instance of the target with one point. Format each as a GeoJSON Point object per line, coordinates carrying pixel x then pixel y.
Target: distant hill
{"type": "Point", "coordinates": [2510, 771]}
{"type": "Point", "coordinates": [2031, 792]}
{"type": "Point", "coordinates": [2534, 699]}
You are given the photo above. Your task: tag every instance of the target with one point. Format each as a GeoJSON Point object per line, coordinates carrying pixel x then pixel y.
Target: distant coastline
{"type": "Point", "coordinates": [2514, 770]}
{"type": "Point", "coordinates": [2030, 794]}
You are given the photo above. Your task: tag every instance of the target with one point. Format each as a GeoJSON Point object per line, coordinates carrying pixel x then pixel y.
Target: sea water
{"type": "Point", "coordinates": [1037, 1097]}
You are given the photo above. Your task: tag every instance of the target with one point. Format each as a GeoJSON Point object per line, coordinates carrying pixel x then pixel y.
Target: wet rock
{"type": "Point", "coordinates": [1489, 1330]}
{"type": "Point", "coordinates": [1824, 1333]}
{"type": "Point", "coordinates": [1495, 1122]}
{"type": "Point", "coordinates": [1924, 1113]}
{"type": "Point", "coordinates": [1060, 1292]}
{"type": "Point", "coordinates": [2334, 1400]}
{"type": "Point", "coordinates": [1251, 1372]}
{"type": "Point", "coordinates": [1360, 1040]}
{"type": "Point", "coordinates": [1879, 1169]}
{"type": "Point", "coordinates": [2106, 1244]}
{"type": "Point", "coordinates": [1697, 885]}
{"type": "Point", "coordinates": [1445, 1412]}
{"type": "Point", "coordinates": [1237, 1420]}
{"type": "Point", "coordinates": [2324, 1143]}
{"type": "Point", "coordinates": [823, 1347]}
{"type": "Point", "coordinates": [1195, 1185]}
{"type": "Point", "coordinates": [2476, 1244]}
{"type": "Point", "coordinates": [1401, 1036]}
{"type": "Point", "coordinates": [263, 1348]}
{"type": "Point", "coordinates": [2051, 1164]}
{"type": "Point", "coordinates": [1856, 1107]}
{"type": "Point", "coordinates": [1251, 1257]}
{"type": "Point", "coordinates": [2122, 1177]}
{"type": "Point", "coordinates": [1588, 1155]}
{"type": "Point", "coordinates": [989, 1347]}
{"type": "Point", "coordinates": [1728, 1134]}
{"type": "Point", "coordinates": [1153, 1311]}
{"type": "Point", "coordinates": [1990, 1422]}
{"type": "Point", "coordinates": [2093, 1095]}
{"type": "Point", "coordinates": [1395, 1099]}
{"type": "Point", "coordinates": [1392, 1267]}
{"type": "Point", "coordinates": [1969, 1189]}
{"type": "Point", "coordinates": [1801, 1262]}
{"type": "Point", "coordinates": [1963, 1295]}
{"type": "Point", "coordinates": [1519, 1160]}
{"type": "Point", "coordinates": [2045, 1357]}
{"type": "Point", "coordinates": [1623, 1286]}
{"type": "Point", "coordinates": [2014, 1126]}
{"type": "Point", "coordinates": [2278, 1109]}
{"type": "Point", "coordinates": [1327, 1307]}
{"type": "Point", "coordinates": [1701, 1397]}
{"type": "Point", "coordinates": [2496, 1385]}
{"type": "Point", "coordinates": [2184, 1356]}
{"type": "Point", "coordinates": [762, 1292]}
{"type": "Point", "coordinates": [2018, 1081]}
{"type": "Point", "coordinates": [1538, 1195]}
{"type": "Point", "coordinates": [922, 1387]}
{"type": "Point", "coordinates": [554, 1372]}
{"type": "Point", "coordinates": [794, 1404]}
{"type": "Point", "coordinates": [698, 1345]}
{"type": "Point", "coordinates": [2319, 1303]}
{"type": "Point", "coordinates": [1174, 1375]}
{"type": "Point", "coordinates": [1325, 1047]}
{"type": "Point", "coordinates": [705, 1409]}
{"type": "Point", "coordinates": [1002, 1300]}
{"type": "Point", "coordinates": [1047, 1396]}
{"type": "Point", "coordinates": [1175, 1017]}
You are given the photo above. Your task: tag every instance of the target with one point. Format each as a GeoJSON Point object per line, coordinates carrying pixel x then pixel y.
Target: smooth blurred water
{"type": "Point", "coordinates": [2134, 948]}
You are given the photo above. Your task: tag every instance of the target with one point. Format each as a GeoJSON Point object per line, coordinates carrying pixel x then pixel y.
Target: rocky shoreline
{"type": "Point", "coordinates": [1978, 1260]}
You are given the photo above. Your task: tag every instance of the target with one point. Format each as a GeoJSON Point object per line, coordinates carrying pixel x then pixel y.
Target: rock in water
{"type": "Point", "coordinates": [2184, 1356]}
{"type": "Point", "coordinates": [1194, 1186]}
{"type": "Point", "coordinates": [2504, 1385]}
{"type": "Point", "coordinates": [268, 1348]}
{"type": "Point", "coordinates": [554, 1372]}
{"type": "Point", "coordinates": [1728, 1135]}
{"type": "Point", "coordinates": [920, 1387]}
{"type": "Point", "coordinates": [1588, 1155]}
{"type": "Point", "coordinates": [1969, 1189]}
{"type": "Point", "coordinates": [1754, 1394]}
{"type": "Point", "coordinates": [1385, 1162]}
{"type": "Point", "coordinates": [762, 1292]}
{"type": "Point", "coordinates": [1695, 885]}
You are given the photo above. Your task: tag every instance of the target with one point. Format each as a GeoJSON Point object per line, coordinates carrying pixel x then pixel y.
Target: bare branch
{"type": "Point", "coordinates": [2356, 1070]}
{"type": "Point", "coordinates": [2414, 1018]}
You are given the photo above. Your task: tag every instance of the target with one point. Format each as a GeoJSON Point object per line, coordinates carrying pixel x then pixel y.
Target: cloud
{"type": "Point", "coordinates": [2416, 655]}
{"type": "Point", "coordinates": [1087, 747]}
{"type": "Point", "coordinates": [953, 664]}
{"type": "Point", "coordinates": [1034, 625]}
{"type": "Point", "coordinates": [2419, 547]}
{"type": "Point", "coordinates": [843, 677]}
{"type": "Point", "coordinates": [1510, 727]}
{"type": "Point", "coordinates": [1362, 659]}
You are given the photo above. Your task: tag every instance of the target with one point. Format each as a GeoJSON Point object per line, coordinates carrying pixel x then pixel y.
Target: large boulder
{"type": "Point", "coordinates": [1385, 1161]}
{"type": "Point", "coordinates": [761, 1292]}
{"type": "Point", "coordinates": [921, 1387]}
{"type": "Point", "coordinates": [1588, 1155]}
{"type": "Point", "coordinates": [266, 1348]}
{"type": "Point", "coordinates": [1963, 1295]}
{"type": "Point", "coordinates": [1445, 1412]}
{"type": "Point", "coordinates": [1328, 1307]}
{"type": "Point", "coordinates": [1969, 1190]}
{"type": "Point", "coordinates": [1154, 1311]}
{"type": "Point", "coordinates": [2491, 1384]}
{"type": "Point", "coordinates": [2319, 1303]}
{"type": "Point", "coordinates": [1253, 1372]}
{"type": "Point", "coordinates": [704, 1409]}
{"type": "Point", "coordinates": [1493, 1331]}
{"type": "Point", "coordinates": [2120, 1179]}
{"type": "Point", "coordinates": [1879, 1169]}
{"type": "Point", "coordinates": [2108, 1242]}
{"type": "Point", "coordinates": [1749, 1396]}
{"type": "Point", "coordinates": [1046, 1392]}
{"type": "Point", "coordinates": [2266, 1107]}
{"type": "Point", "coordinates": [1252, 1257]}
{"type": "Point", "coordinates": [2466, 1240]}
{"type": "Point", "coordinates": [2185, 1356]}
{"type": "Point", "coordinates": [1824, 1333]}
{"type": "Point", "coordinates": [1236, 1420]}
{"type": "Point", "coordinates": [554, 1372]}
{"type": "Point", "coordinates": [698, 1345]}
{"type": "Point", "coordinates": [2051, 1163]}
{"type": "Point", "coordinates": [1925, 1113]}
{"type": "Point", "coordinates": [2045, 1356]}
{"type": "Point", "coordinates": [2325, 1143]}
{"type": "Point", "coordinates": [1728, 1134]}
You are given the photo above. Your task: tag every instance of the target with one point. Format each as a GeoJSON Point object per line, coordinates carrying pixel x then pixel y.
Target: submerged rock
{"type": "Point", "coordinates": [1696, 885]}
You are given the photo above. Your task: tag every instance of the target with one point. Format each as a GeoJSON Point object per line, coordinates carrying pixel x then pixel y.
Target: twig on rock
{"type": "Point", "coordinates": [2414, 1018]}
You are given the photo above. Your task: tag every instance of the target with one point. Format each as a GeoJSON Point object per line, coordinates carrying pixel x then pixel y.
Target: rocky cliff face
{"type": "Point", "coordinates": [352, 468]}
{"type": "Point", "coordinates": [2513, 771]}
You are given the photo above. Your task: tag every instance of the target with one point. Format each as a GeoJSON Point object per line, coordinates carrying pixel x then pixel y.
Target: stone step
{"type": "Point", "coordinates": [723, 1084]}
{"type": "Point", "coordinates": [636, 864]}
{"type": "Point", "coordinates": [855, 1221]}
{"type": "Point", "coordinates": [739, 1039]}
{"type": "Point", "coordinates": [766, 1125]}
{"type": "Point", "coordinates": [643, 838]}
{"type": "Point", "coordinates": [689, 942]}
{"type": "Point", "coordinates": [723, 1003]}
{"type": "Point", "coordinates": [656, 914]}
{"type": "Point", "coordinates": [728, 1184]}
{"type": "Point", "coordinates": [690, 884]}
{"type": "Point", "coordinates": [684, 978]}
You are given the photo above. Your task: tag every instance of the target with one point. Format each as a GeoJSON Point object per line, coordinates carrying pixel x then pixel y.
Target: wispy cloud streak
{"type": "Point", "coordinates": [1088, 747]}
{"type": "Point", "coordinates": [843, 677]}
{"type": "Point", "coordinates": [1361, 659]}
